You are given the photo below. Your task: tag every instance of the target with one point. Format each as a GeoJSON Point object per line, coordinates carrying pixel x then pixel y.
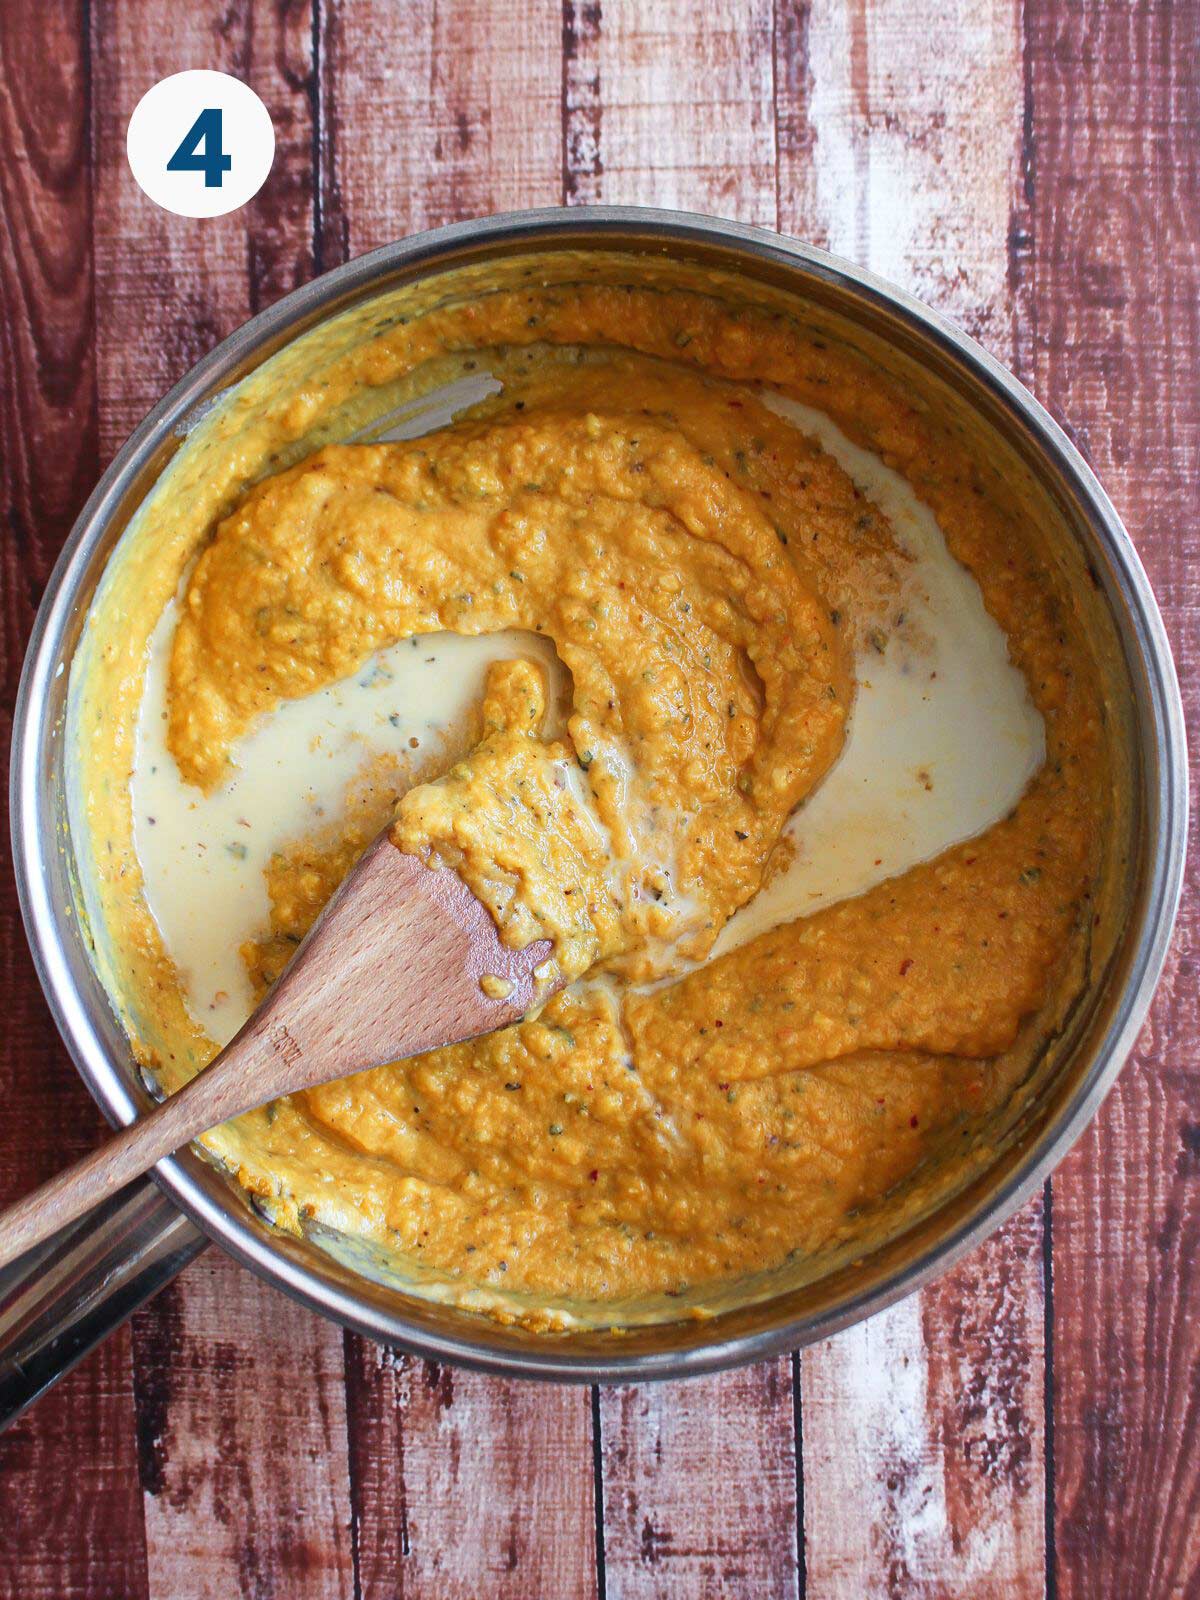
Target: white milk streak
{"type": "Point", "coordinates": [203, 856]}
{"type": "Point", "coordinates": [943, 740]}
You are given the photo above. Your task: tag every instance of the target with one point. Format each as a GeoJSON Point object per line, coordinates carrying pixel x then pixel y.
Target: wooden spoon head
{"type": "Point", "coordinates": [401, 961]}
{"type": "Point", "coordinates": [394, 965]}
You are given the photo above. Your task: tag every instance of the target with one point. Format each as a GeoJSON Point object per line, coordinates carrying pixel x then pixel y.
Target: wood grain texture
{"type": "Point", "coordinates": [670, 104]}
{"type": "Point", "coordinates": [899, 147]}
{"type": "Point", "coordinates": [72, 1512]}
{"type": "Point", "coordinates": [242, 1451]}
{"type": "Point", "coordinates": [49, 459]}
{"type": "Point", "coordinates": [241, 1420]}
{"type": "Point", "coordinates": [434, 113]}
{"type": "Point", "coordinates": [700, 1487]}
{"type": "Point", "coordinates": [480, 1478]}
{"type": "Point", "coordinates": [169, 288]}
{"type": "Point", "coordinates": [47, 465]}
{"type": "Point", "coordinates": [923, 1438]}
{"type": "Point", "coordinates": [1114, 281]}
{"type": "Point", "coordinates": [72, 1508]}
{"type": "Point", "coordinates": [900, 144]}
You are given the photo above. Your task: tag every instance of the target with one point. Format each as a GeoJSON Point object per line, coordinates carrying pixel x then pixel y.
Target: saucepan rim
{"type": "Point", "coordinates": [50, 927]}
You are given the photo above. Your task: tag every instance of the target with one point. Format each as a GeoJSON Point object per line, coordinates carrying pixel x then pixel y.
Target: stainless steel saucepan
{"type": "Point", "coordinates": [57, 1305]}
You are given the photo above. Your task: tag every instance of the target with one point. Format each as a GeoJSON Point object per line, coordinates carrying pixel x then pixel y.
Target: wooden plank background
{"type": "Point", "coordinates": [1029, 1425]}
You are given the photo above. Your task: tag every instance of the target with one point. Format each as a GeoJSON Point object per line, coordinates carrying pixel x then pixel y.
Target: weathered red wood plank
{"type": "Point", "coordinates": [73, 1514]}
{"type": "Point", "coordinates": [923, 1439]}
{"type": "Point", "coordinates": [461, 1485]}
{"type": "Point", "coordinates": [466, 1486]}
{"type": "Point", "coordinates": [434, 113]}
{"type": "Point", "coordinates": [241, 1441]}
{"type": "Point", "coordinates": [1114, 273]}
{"type": "Point", "coordinates": [700, 1486]}
{"type": "Point", "coordinates": [241, 1415]}
{"type": "Point", "coordinates": [48, 412]}
{"type": "Point", "coordinates": [671, 105]}
{"type": "Point", "coordinates": [169, 288]}
{"type": "Point", "coordinates": [899, 146]}
{"type": "Point", "coordinates": [73, 1521]}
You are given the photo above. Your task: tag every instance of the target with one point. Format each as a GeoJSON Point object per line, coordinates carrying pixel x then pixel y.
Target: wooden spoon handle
{"type": "Point", "coordinates": [96, 1176]}
{"type": "Point", "coordinates": [250, 1070]}
{"type": "Point", "coordinates": [394, 965]}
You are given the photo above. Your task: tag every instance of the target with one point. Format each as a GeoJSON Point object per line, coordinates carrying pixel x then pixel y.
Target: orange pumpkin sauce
{"type": "Point", "coordinates": [705, 573]}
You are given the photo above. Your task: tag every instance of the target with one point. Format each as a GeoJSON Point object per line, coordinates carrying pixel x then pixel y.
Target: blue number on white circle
{"type": "Point", "coordinates": [200, 150]}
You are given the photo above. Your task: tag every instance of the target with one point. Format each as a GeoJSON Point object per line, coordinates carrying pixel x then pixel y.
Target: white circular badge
{"type": "Point", "coordinates": [200, 143]}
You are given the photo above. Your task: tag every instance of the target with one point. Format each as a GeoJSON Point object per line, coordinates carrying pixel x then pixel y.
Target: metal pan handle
{"type": "Point", "coordinates": [61, 1299]}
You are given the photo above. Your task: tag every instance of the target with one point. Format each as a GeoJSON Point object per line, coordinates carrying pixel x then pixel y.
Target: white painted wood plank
{"type": "Point", "coordinates": [467, 1486]}
{"type": "Point", "coordinates": [670, 104]}
{"type": "Point", "coordinates": [700, 1487]}
{"type": "Point", "coordinates": [242, 1441]}
{"type": "Point", "coordinates": [900, 147]}
{"type": "Point", "coordinates": [435, 112]}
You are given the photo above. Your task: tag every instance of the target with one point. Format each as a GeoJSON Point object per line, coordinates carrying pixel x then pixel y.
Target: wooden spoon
{"type": "Point", "coordinates": [392, 966]}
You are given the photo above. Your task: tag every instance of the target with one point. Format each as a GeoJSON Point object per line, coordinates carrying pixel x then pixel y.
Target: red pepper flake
{"type": "Point", "coordinates": [914, 1122]}
{"type": "Point", "coordinates": [969, 861]}
{"type": "Point", "coordinates": [723, 1087]}
{"type": "Point", "coordinates": [593, 1174]}
{"type": "Point", "coordinates": [718, 1023]}
{"type": "Point", "coordinates": [905, 964]}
